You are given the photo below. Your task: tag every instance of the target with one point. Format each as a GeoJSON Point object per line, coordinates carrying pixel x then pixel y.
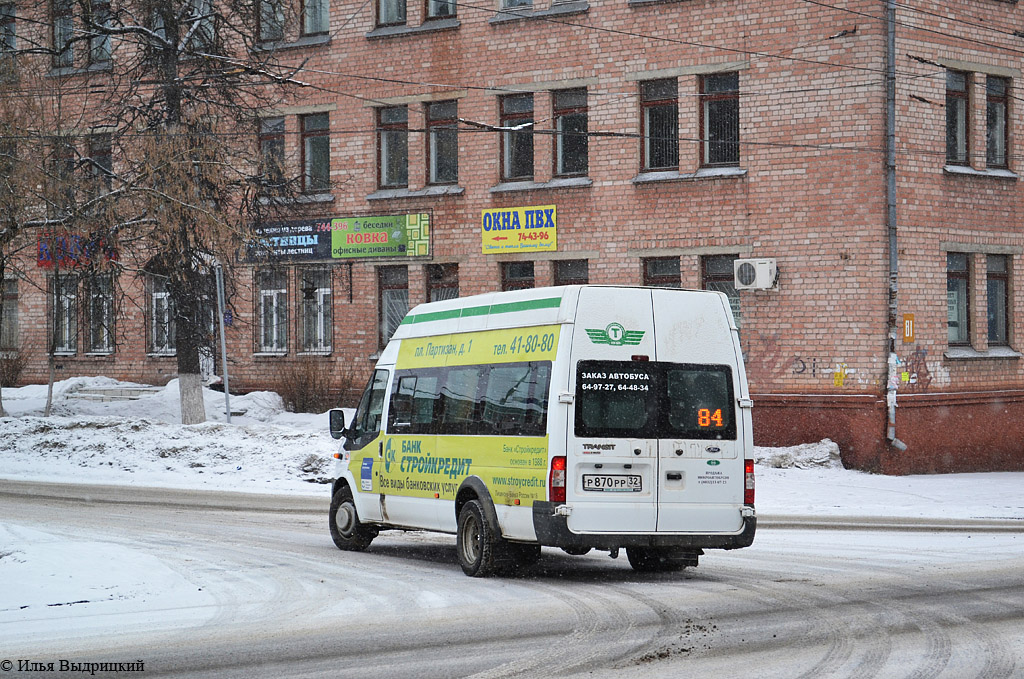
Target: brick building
{"type": "Point", "coordinates": [651, 142]}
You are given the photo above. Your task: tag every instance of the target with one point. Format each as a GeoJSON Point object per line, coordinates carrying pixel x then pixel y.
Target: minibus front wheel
{"type": "Point", "coordinates": [476, 543]}
{"type": "Point", "coordinates": [347, 531]}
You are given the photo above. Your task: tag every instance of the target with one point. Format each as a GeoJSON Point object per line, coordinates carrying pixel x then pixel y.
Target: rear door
{"type": "Point", "coordinates": [700, 484]}
{"type": "Point", "coordinates": [612, 469]}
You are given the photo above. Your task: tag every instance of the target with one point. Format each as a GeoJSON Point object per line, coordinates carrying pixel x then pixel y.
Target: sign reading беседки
{"type": "Point", "coordinates": [342, 238]}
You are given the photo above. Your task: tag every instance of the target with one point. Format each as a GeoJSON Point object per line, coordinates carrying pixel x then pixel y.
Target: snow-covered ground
{"type": "Point", "coordinates": [265, 449]}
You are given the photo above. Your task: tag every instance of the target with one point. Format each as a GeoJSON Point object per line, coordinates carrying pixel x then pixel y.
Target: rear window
{"type": "Point", "coordinates": [627, 399]}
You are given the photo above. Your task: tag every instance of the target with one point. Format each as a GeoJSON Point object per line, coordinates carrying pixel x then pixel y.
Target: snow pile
{"type": "Point", "coordinates": [806, 456]}
{"type": "Point", "coordinates": [141, 442]}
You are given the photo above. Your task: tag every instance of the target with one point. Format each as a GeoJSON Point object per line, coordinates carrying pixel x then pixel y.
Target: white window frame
{"type": "Point", "coordinates": [316, 314]}
{"type": "Point", "coordinates": [161, 319]}
{"type": "Point", "coordinates": [273, 300]}
{"type": "Point", "coordinates": [65, 315]}
{"type": "Point", "coordinates": [100, 301]}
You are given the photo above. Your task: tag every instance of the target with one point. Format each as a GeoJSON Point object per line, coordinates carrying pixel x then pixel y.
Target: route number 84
{"type": "Point", "coordinates": [706, 418]}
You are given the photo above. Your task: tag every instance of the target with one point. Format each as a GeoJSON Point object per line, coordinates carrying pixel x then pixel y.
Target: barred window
{"type": "Point", "coordinates": [9, 322]}
{"type": "Point", "coordinates": [997, 95]}
{"type": "Point", "coordinates": [659, 105]}
{"type": "Point", "coordinates": [571, 142]}
{"type": "Point", "coordinates": [720, 119]}
{"type": "Point", "coordinates": [99, 290]}
{"type": "Point", "coordinates": [64, 300]}
{"type": "Point", "coordinates": [393, 299]}
{"type": "Point", "coordinates": [393, 146]}
{"type": "Point", "coordinates": [161, 317]}
{"type": "Point", "coordinates": [315, 309]}
{"type": "Point", "coordinates": [957, 125]}
{"type": "Point", "coordinates": [442, 282]}
{"type": "Point", "coordinates": [272, 288]}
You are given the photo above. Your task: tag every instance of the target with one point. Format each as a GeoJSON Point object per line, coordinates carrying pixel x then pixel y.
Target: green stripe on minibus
{"type": "Point", "coordinates": [508, 307]}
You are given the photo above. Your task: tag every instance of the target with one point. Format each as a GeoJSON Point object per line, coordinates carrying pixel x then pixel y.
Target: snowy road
{"type": "Point", "coordinates": [235, 592]}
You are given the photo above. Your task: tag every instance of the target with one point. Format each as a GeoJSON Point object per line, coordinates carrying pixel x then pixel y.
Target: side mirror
{"type": "Point", "coordinates": [337, 420]}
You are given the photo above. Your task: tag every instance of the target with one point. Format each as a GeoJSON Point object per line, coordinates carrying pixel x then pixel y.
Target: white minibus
{"type": "Point", "coordinates": [578, 417]}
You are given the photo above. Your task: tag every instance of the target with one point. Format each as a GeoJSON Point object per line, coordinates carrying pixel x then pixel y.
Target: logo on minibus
{"type": "Point", "coordinates": [615, 335]}
{"type": "Point", "coordinates": [714, 463]}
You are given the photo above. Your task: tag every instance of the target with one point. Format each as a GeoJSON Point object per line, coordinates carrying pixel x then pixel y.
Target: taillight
{"type": "Point", "coordinates": [556, 481]}
{"type": "Point", "coordinates": [748, 482]}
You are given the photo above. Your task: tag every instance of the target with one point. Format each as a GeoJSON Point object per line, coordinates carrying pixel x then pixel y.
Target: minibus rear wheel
{"type": "Point", "coordinates": [346, 530]}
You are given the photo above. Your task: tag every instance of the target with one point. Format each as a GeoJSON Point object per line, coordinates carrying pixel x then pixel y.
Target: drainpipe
{"type": "Point", "coordinates": [893, 361]}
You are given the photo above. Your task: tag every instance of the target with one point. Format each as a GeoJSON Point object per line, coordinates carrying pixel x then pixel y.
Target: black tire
{"type": "Point", "coordinates": [476, 543]}
{"type": "Point", "coordinates": [659, 559]}
{"type": "Point", "coordinates": [346, 530]}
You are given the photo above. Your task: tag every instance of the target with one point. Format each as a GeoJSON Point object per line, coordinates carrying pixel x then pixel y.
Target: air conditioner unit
{"type": "Point", "coordinates": [755, 274]}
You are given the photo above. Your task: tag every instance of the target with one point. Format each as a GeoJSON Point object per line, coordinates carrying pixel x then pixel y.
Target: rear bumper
{"type": "Point", "coordinates": [554, 531]}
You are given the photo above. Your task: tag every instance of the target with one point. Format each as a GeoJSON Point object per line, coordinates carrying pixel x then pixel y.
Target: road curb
{"type": "Point", "coordinates": [890, 523]}
{"type": "Point", "coordinates": [285, 503]}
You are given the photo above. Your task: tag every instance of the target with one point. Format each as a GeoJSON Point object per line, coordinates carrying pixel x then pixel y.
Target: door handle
{"type": "Point", "coordinates": [380, 449]}
{"type": "Point", "coordinates": [674, 476]}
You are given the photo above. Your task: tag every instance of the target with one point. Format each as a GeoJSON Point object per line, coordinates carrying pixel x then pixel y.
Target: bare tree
{"type": "Point", "coordinates": [176, 88]}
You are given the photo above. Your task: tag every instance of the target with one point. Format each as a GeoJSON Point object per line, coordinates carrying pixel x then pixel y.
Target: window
{"type": "Point", "coordinates": [315, 309]}
{"type": "Point", "coordinates": [7, 33]}
{"type": "Point", "coordinates": [478, 400]}
{"type": "Point", "coordinates": [390, 12]}
{"type": "Point", "coordinates": [958, 298]}
{"type": "Point", "coordinates": [517, 137]}
{"type": "Point", "coordinates": [161, 317]}
{"type": "Point", "coordinates": [571, 142]}
{"type": "Point", "coordinates": [63, 24]}
{"type": "Point", "coordinates": [273, 311]}
{"type": "Point", "coordinates": [998, 279]}
{"type": "Point", "coordinates": [517, 275]}
{"type": "Point", "coordinates": [442, 282]}
{"type": "Point", "coordinates": [9, 322]}
{"type": "Point", "coordinates": [393, 146]}
{"type": "Point", "coordinates": [99, 291]}
{"type": "Point", "coordinates": [662, 272]}
{"type": "Point", "coordinates": [65, 314]}
{"type": "Point", "coordinates": [316, 17]}
{"type": "Point", "coordinates": [676, 401]}
{"type": "Point", "coordinates": [393, 290]}
{"type": "Point", "coordinates": [659, 105]}
{"type": "Point", "coordinates": [572, 272]}
{"type": "Point", "coordinates": [443, 142]}
{"type": "Point", "coordinates": [271, 20]}
{"type": "Point", "coordinates": [997, 96]}
{"type": "Point", "coordinates": [316, 153]}
{"type": "Point", "coordinates": [271, 141]}
{"type": "Point", "coordinates": [99, 43]}
{"type": "Point", "coordinates": [440, 9]}
{"type": "Point", "coordinates": [720, 119]}
{"type": "Point", "coordinates": [199, 22]}
{"type": "Point", "coordinates": [102, 167]}
{"type": "Point", "coordinates": [957, 128]}
{"type": "Point", "coordinates": [717, 275]}
{"type": "Point", "coordinates": [509, 4]}
{"type": "Point", "coordinates": [366, 422]}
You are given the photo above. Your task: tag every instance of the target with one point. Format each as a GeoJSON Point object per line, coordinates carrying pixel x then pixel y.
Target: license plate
{"type": "Point", "coordinates": [613, 483]}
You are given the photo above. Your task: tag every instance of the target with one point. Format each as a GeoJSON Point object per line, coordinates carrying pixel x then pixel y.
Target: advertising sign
{"type": "Point", "coordinates": [519, 229]}
{"type": "Point", "coordinates": [70, 250]}
{"type": "Point", "coordinates": [343, 238]}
